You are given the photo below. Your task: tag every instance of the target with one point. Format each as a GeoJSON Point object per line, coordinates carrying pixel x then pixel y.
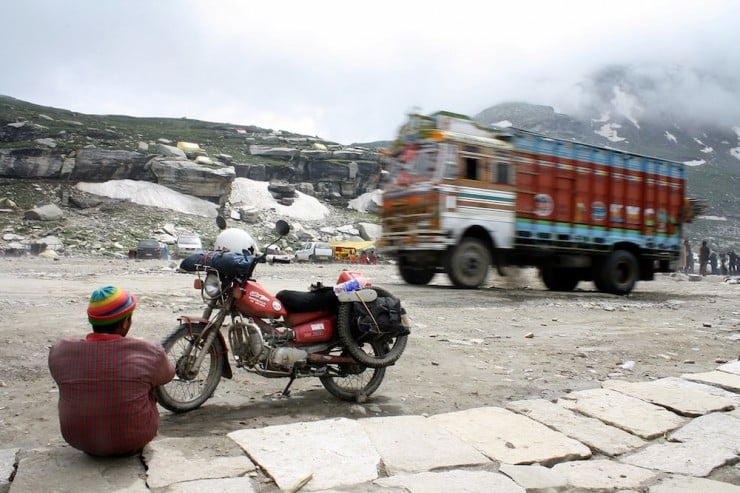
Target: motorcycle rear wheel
{"type": "Point", "coordinates": [189, 390]}
{"type": "Point", "coordinates": [375, 360]}
{"type": "Point", "coordinates": [355, 382]}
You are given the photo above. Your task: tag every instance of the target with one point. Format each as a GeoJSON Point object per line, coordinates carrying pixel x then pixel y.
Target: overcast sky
{"type": "Point", "coordinates": [344, 70]}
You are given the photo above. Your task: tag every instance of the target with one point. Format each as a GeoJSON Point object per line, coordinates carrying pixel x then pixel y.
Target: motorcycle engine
{"type": "Point", "coordinates": [249, 348]}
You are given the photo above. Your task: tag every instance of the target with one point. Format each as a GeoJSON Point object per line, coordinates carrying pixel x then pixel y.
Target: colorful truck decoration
{"type": "Point", "coordinates": [465, 197]}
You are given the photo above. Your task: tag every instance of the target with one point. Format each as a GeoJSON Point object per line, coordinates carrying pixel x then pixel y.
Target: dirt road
{"type": "Point", "coordinates": [512, 340]}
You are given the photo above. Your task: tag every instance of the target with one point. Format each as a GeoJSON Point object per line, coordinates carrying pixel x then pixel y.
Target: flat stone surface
{"type": "Point", "coordinates": [723, 379]}
{"type": "Point", "coordinates": [67, 470]}
{"type": "Point", "coordinates": [601, 437]}
{"type": "Point", "coordinates": [688, 484]}
{"type": "Point", "coordinates": [336, 451]}
{"type": "Point", "coordinates": [534, 478]}
{"type": "Point", "coordinates": [7, 466]}
{"type": "Point", "coordinates": [670, 393]}
{"type": "Point", "coordinates": [691, 459]}
{"type": "Point", "coordinates": [604, 475]}
{"type": "Point", "coordinates": [458, 481]}
{"type": "Point", "coordinates": [511, 438]}
{"type": "Point", "coordinates": [226, 485]}
{"type": "Point", "coordinates": [731, 367]}
{"type": "Point", "coordinates": [716, 430]}
{"type": "Point", "coordinates": [415, 444]}
{"type": "Point", "coordinates": [628, 413]}
{"type": "Point", "coordinates": [174, 460]}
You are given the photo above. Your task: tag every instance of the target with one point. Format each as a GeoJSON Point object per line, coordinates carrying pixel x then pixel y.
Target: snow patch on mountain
{"type": "Point", "coordinates": [609, 132]}
{"type": "Point", "coordinates": [626, 104]}
{"type": "Point", "coordinates": [697, 162]}
{"type": "Point", "coordinates": [671, 137]}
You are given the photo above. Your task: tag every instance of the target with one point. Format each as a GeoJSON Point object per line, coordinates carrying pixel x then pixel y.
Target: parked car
{"type": "Point", "coordinates": [314, 251]}
{"type": "Point", "coordinates": [149, 248]}
{"type": "Point", "coordinates": [277, 256]}
{"type": "Point", "coordinates": [187, 244]}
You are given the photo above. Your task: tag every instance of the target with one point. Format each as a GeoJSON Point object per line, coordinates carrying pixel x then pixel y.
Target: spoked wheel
{"type": "Point", "coordinates": [191, 387]}
{"type": "Point", "coordinates": [374, 358]}
{"type": "Point", "coordinates": [355, 381]}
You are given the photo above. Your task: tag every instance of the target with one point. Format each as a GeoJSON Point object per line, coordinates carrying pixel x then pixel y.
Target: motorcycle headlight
{"type": "Point", "coordinates": [212, 285]}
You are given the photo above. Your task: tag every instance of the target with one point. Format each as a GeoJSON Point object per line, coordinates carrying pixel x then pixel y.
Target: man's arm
{"type": "Point", "coordinates": [164, 371]}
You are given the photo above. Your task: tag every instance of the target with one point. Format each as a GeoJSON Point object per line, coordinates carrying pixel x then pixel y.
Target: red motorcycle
{"type": "Point", "coordinates": [344, 339]}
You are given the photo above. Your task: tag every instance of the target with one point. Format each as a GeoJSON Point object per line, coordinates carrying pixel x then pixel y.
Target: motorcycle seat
{"type": "Point", "coordinates": [311, 301]}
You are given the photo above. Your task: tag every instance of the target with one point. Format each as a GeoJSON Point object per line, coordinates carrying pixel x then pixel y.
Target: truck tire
{"type": "Point", "coordinates": [619, 273]}
{"type": "Point", "coordinates": [559, 279]}
{"type": "Point", "coordinates": [418, 276]}
{"type": "Point", "coordinates": [468, 263]}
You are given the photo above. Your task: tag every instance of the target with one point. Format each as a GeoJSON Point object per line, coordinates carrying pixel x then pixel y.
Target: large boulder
{"type": "Point", "coordinates": [97, 165]}
{"type": "Point", "coordinates": [49, 212]}
{"type": "Point", "coordinates": [30, 163]}
{"type": "Point", "coordinates": [205, 182]}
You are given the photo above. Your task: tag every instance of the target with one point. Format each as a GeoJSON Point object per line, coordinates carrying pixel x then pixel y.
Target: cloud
{"type": "Point", "coordinates": [349, 71]}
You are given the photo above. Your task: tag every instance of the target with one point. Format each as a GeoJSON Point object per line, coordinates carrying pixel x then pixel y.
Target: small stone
{"type": "Point", "coordinates": [720, 361]}
{"type": "Point", "coordinates": [529, 335]}
{"type": "Point", "coordinates": [689, 362]}
{"type": "Point", "coordinates": [706, 324]}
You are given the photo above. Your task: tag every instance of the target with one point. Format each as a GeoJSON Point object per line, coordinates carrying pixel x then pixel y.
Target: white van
{"type": "Point", "coordinates": [314, 251]}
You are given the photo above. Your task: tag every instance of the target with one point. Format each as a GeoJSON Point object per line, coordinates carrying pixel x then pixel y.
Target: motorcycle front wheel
{"type": "Point", "coordinates": [354, 381]}
{"type": "Point", "coordinates": [191, 387]}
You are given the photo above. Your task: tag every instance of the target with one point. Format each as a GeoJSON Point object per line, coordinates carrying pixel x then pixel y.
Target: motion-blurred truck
{"type": "Point", "coordinates": [465, 197]}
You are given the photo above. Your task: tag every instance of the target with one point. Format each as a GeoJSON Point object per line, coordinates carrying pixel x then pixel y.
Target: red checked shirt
{"type": "Point", "coordinates": [106, 399]}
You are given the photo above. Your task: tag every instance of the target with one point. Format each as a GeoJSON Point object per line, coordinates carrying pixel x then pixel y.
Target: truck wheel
{"type": "Point", "coordinates": [418, 276]}
{"type": "Point", "coordinates": [559, 279]}
{"type": "Point", "coordinates": [468, 263]}
{"type": "Point", "coordinates": [620, 273]}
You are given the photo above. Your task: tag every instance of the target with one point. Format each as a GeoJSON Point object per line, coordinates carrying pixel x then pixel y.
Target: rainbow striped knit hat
{"type": "Point", "coordinates": [109, 305]}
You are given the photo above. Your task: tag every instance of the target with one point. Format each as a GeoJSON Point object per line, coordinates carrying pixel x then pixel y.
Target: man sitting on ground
{"type": "Point", "coordinates": [106, 381]}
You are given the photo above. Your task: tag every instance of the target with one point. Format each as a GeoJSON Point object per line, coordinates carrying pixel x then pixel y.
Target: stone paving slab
{"type": "Point", "coordinates": [598, 436]}
{"type": "Point", "coordinates": [691, 459]}
{"type": "Point", "coordinates": [535, 478]}
{"type": "Point", "coordinates": [674, 395]}
{"type": "Point", "coordinates": [723, 379]}
{"type": "Point", "coordinates": [511, 438]}
{"type": "Point", "coordinates": [72, 471]}
{"type": "Point", "coordinates": [628, 413]}
{"type": "Point", "coordinates": [731, 367]}
{"type": "Point", "coordinates": [604, 475]}
{"type": "Point", "coordinates": [716, 429]}
{"type": "Point", "coordinates": [7, 466]}
{"type": "Point", "coordinates": [459, 481]}
{"type": "Point", "coordinates": [410, 444]}
{"type": "Point", "coordinates": [335, 451]}
{"type": "Point", "coordinates": [688, 484]}
{"type": "Point", "coordinates": [175, 460]}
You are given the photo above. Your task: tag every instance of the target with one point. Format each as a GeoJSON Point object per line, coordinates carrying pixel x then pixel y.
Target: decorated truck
{"type": "Point", "coordinates": [465, 197]}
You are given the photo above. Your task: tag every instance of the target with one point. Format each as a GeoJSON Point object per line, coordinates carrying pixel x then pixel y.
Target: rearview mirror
{"type": "Point", "coordinates": [282, 227]}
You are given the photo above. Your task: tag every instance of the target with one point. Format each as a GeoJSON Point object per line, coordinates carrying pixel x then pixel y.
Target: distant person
{"type": "Point", "coordinates": [703, 258]}
{"type": "Point", "coordinates": [106, 380]}
{"type": "Point", "coordinates": [723, 264]}
{"type": "Point", "coordinates": [688, 258]}
{"type": "Point", "coordinates": [713, 263]}
{"type": "Point", "coordinates": [733, 266]}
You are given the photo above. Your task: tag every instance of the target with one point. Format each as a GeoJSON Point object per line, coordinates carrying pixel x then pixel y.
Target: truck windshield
{"type": "Point", "coordinates": [418, 165]}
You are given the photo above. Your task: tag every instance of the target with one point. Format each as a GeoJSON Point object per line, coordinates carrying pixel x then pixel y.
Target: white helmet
{"type": "Point", "coordinates": [235, 240]}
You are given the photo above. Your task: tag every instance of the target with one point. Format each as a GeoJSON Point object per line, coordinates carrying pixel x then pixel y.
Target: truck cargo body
{"type": "Point", "coordinates": [467, 197]}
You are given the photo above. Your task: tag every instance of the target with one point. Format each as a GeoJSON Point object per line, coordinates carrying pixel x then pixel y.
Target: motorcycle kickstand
{"type": "Point", "coordinates": [286, 390]}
